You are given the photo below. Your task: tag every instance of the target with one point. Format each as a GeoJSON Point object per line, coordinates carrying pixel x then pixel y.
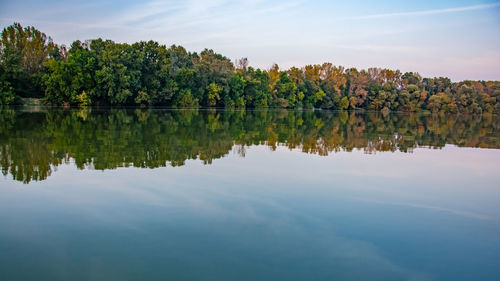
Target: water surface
{"type": "Point", "coordinates": [140, 194]}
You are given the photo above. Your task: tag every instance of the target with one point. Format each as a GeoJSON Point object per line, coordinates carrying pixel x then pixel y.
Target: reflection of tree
{"type": "Point", "coordinates": [34, 143]}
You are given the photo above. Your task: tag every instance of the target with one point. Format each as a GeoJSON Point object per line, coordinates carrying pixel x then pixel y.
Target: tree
{"type": "Point", "coordinates": [242, 65]}
{"type": "Point", "coordinates": [213, 94]}
{"type": "Point", "coordinates": [237, 85]}
{"type": "Point", "coordinates": [358, 83]}
{"type": "Point", "coordinates": [344, 103]}
{"type": "Point", "coordinates": [7, 95]}
{"type": "Point", "coordinates": [65, 79]}
{"type": "Point", "coordinates": [83, 99]}
{"type": "Point", "coordinates": [186, 99]}
{"type": "Point", "coordinates": [23, 53]}
{"type": "Point", "coordinates": [434, 103]}
{"type": "Point", "coordinates": [103, 72]}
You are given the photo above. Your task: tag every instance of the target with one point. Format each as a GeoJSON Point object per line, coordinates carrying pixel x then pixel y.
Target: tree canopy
{"type": "Point", "coordinates": [103, 72]}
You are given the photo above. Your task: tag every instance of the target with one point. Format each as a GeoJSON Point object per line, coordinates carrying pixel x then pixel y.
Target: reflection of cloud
{"type": "Point", "coordinates": [357, 251]}
{"type": "Point", "coordinates": [372, 172]}
{"type": "Point", "coordinates": [430, 207]}
{"type": "Point", "coordinates": [273, 218]}
{"type": "Point", "coordinates": [114, 203]}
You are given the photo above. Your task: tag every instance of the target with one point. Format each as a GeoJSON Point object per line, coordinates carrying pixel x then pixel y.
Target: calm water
{"type": "Point", "coordinates": [258, 195]}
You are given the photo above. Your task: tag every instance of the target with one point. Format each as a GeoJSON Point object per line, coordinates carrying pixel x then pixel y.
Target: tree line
{"type": "Point", "coordinates": [103, 72]}
{"type": "Point", "coordinates": [33, 144]}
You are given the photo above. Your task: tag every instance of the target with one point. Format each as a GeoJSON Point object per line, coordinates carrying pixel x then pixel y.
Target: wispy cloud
{"type": "Point", "coordinates": [290, 31]}
{"type": "Point", "coordinates": [427, 12]}
{"type": "Point", "coordinates": [187, 21]}
{"type": "Point", "coordinates": [196, 13]}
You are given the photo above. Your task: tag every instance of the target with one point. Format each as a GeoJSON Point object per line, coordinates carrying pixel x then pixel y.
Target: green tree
{"type": "Point", "coordinates": [23, 53]}
{"type": "Point", "coordinates": [344, 103]}
{"type": "Point", "coordinates": [213, 94]}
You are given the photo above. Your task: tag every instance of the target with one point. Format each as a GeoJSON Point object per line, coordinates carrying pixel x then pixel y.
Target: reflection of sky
{"type": "Point", "coordinates": [427, 215]}
{"type": "Point", "coordinates": [455, 38]}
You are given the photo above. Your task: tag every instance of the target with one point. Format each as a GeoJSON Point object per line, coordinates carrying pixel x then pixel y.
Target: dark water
{"type": "Point", "coordinates": [143, 194]}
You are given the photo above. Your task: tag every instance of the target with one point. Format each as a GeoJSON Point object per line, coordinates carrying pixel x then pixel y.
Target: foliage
{"type": "Point", "coordinates": [23, 53]}
{"type": "Point", "coordinates": [83, 99]}
{"type": "Point", "coordinates": [147, 73]}
{"type": "Point", "coordinates": [157, 138]}
{"type": "Point", "coordinates": [7, 95]}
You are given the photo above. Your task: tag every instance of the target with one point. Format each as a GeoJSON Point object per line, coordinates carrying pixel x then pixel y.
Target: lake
{"type": "Point", "coordinates": [162, 194]}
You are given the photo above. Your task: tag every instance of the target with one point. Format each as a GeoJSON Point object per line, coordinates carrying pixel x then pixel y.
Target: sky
{"type": "Point", "coordinates": [459, 39]}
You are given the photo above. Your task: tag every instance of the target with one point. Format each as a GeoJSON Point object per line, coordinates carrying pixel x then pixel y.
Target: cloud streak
{"type": "Point", "coordinates": [428, 12]}
{"type": "Point", "coordinates": [290, 32]}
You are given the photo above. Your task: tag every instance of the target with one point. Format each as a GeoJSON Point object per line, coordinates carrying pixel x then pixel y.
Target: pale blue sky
{"type": "Point", "coordinates": [459, 39]}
